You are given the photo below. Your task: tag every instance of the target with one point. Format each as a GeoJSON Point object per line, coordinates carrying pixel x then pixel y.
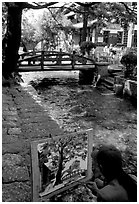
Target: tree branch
{"type": "Point", "coordinates": [87, 4]}
{"type": "Point", "coordinates": [37, 6]}
{"type": "Point", "coordinates": [129, 10]}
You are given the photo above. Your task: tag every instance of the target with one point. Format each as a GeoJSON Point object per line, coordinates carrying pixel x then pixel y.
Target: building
{"type": "Point", "coordinates": [90, 32]}
{"type": "Point", "coordinates": [111, 34]}
{"type": "Point", "coordinates": [132, 35]}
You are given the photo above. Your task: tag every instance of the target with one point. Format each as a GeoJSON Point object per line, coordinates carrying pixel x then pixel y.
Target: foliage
{"type": "Point", "coordinates": [12, 15]}
{"type": "Point", "coordinates": [117, 12]}
{"type": "Point", "coordinates": [55, 29]}
{"type": "Point", "coordinates": [4, 19]}
{"type": "Point", "coordinates": [30, 35]}
{"type": "Point", "coordinates": [104, 12]}
{"type": "Point", "coordinates": [129, 60]}
{"type": "Point", "coordinates": [112, 12]}
{"type": "Point", "coordinates": [87, 46]}
{"type": "Point", "coordinates": [50, 27]}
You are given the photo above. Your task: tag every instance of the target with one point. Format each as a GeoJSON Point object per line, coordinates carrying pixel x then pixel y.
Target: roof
{"type": "Point", "coordinates": [113, 26]}
{"type": "Point", "coordinates": [80, 25]}
{"type": "Point", "coordinates": [70, 14]}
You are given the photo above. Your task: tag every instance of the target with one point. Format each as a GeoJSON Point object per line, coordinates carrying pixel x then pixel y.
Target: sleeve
{"type": "Point", "coordinates": [101, 197]}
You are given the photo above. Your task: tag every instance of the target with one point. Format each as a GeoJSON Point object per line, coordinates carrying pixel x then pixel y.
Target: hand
{"type": "Point", "coordinates": [99, 183]}
{"type": "Point", "coordinates": [92, 186]}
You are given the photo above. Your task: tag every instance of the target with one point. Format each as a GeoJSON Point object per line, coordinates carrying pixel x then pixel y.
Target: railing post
{"type": "Point", "coordinates": [73, 60]}
{"type": "Point", "coordinates": [33, 53]}
{"type": "Point", "coordinates": [59, 57]}
{"type": "Point", "coordinates": [29, 62]}
{"type": "Point", "coordinates": [42, 59]}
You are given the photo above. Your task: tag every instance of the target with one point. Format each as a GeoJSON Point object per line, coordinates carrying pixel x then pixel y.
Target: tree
{"type": "Point", "coordinates": [12, 38]}
{"type": "Point", "coordinates": [60, 165]}
{"type": "Point", "coordinates": [55, 27]}
{"type": "Point", "coordinates": [129, 60]}
{"type": "Point", "coordinates": [30, 33]}
{"type": "Point", "coordinates": [4, 19]}
{"type": "Point", "coordinates": [11, 41]}
{"type": "Point", "coordinates": [86, 7]}
{"type": "Point", "coordinates": [121, 12]}
{"type": "Point", "coordinates": [117, 12]}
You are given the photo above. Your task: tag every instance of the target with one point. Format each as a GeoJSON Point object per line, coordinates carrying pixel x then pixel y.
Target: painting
{"type": "Point", "coordinates": [60, 162]}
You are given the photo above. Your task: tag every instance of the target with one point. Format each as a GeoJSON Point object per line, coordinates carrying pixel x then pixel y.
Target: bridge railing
{"type": "Point", "coordinates": [53, 58]}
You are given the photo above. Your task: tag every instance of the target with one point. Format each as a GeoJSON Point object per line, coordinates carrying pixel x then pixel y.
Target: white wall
{"type": "Point", "coordinates": [130, 35]}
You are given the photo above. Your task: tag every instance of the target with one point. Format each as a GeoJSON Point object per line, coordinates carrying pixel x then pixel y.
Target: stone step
{"type": "Point", "coordinates": [107, 86]}
{"type": "Point", "coordinates": [108, 82]}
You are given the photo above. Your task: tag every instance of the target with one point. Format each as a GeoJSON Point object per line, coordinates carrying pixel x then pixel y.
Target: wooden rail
{"type": "Point", "coordinates": [53, 60]}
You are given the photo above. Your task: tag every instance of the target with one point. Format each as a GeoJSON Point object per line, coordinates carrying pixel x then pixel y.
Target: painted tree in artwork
{"type": "Point", "coordinates": [58, 151]}
{"type": "Point", "coordinates": [48, 149]}
{"type": "Point", "coordinates": [60, 163]}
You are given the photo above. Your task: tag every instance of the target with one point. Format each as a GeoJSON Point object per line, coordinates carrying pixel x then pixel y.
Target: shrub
{"type": "Point", "coordinates": [129, 60]}
{"type": "Point", "coordinates": [87, 46]}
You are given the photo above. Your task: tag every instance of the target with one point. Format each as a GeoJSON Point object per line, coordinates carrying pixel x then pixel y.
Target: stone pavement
{"type": "Point", "coordinates": [23, 120]}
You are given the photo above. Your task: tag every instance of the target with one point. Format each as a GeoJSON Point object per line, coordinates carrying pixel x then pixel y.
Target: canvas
{"type": "Point", "coordinates": [60, 163]}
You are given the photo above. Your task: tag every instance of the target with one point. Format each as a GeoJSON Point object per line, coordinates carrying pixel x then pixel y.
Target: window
{"type": "Point", "coordinates": [106, 36]}
{"type": "Point", "coordinates": [119, 37]}
{"type": "Point", "coordinates": [134, 42]}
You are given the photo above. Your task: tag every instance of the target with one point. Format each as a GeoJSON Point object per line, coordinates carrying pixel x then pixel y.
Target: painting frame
{"type": "Point", "coordinates": [36, 178]}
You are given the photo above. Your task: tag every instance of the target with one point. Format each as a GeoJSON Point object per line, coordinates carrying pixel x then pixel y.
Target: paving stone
{"type": "Point", "coordinates": [31, 109]}
{"type": "Point", "coordinates": [10, 112]}
{"type": "Point", "coordinates": [9, 138]}
{"type": "Point", "coordinates": [9, 124]}
{"type": "Point", "coordinates": [14, 131]}
{"type": "Point", "coordinates": [13, 108]}
{"type": "Point", "coordinates": [16, 147]}
{"type": "Point", "coordinates": [33, 120]}
{"type": "Point", "coordinates": [4, 131]}
{"type": "Point", "coordinates": [13, 169]}
{"type": "Point", "coordinates": [16, 192]}
{"type": "Point", "coordinates": [12, 173]}
{"type": "Point", "coordinates": [11, 118]}
{"type": "Point", "coordinates": [5, 107]}
{"type": "Point", "coordinates": [31, 114]}
{"type": "Point", "coordinates": [12, 159]}
{"type": "Point", "coordinates": [23, 122]}
{"type": "Point", "coordinates": [6, 98]}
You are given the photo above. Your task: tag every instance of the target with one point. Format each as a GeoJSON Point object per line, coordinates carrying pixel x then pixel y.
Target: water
{"type": "Point", "coordinates": [76, 108]}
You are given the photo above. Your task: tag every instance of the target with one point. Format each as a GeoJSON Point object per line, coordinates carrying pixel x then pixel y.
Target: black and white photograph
{"type": "Point", "coordinates": [69, 101]}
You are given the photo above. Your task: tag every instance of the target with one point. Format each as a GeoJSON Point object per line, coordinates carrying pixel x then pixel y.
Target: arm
{"type": "Point", "coordinates": [95, 186]}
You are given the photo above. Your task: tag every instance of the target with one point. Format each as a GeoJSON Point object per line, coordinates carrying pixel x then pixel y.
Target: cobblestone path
{"type": "Point", "coordinates": [23, 121]}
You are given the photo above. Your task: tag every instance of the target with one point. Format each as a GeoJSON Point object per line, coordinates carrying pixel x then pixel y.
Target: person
{"type": "Point", "coordinates": [117, 185]}
{"type": "Point", "coordinates": [97, 78]}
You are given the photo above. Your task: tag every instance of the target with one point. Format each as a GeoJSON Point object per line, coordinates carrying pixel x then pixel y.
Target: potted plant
{"type": "Point", "coordinates": [129, 61]}
{"type": "Point", "coordinates": [86, 46]}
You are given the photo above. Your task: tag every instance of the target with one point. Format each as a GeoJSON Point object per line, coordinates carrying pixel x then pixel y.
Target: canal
{"type": "Point", "coordinates": [80, 107]}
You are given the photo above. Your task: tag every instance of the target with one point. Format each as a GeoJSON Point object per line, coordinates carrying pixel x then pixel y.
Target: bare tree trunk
{"type": "Point", "coordinates": [85, 20]}
{"type": "Point", "coordinates": [12, 39]}
{"type": "Point", "coordinates": [60, 167]}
